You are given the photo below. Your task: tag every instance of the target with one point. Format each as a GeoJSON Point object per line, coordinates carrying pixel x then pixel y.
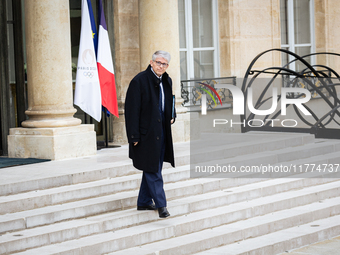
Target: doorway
{"type": "Point", "coordinates": [12, 70]}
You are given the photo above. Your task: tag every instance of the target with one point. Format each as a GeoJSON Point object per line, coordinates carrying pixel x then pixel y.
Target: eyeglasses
{"type": "Point", "coordinates": [164, 65]}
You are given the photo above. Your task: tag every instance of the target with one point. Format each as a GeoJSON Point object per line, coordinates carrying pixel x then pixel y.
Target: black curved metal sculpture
{"type": "Point", "coordinates": [320, 80]}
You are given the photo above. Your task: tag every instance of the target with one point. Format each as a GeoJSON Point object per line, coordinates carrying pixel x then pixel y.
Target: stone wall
{"type": "Point", "coordinates": [247, 28]}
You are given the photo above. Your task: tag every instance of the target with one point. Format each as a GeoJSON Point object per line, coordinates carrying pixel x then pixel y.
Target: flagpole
{"type": "Point", "coordinates": [106, 131]}
{"type": "Point", "coordinates": [105, 128]}
{"type": "Point", "coordinates": [106, 73]}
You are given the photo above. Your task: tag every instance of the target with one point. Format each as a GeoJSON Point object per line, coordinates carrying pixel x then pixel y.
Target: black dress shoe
{"type": "Point", "coordinates": [146, 207]}
{"type": "Point", "coordinates": [163, 212]}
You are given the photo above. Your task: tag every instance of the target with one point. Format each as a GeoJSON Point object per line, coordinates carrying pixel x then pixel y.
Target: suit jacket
{"type": "Point", "coordinates": [143, 120]}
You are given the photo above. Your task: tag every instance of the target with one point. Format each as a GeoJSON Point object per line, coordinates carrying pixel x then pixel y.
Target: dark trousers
{"type": "Point", "coordinates": [151, 187]}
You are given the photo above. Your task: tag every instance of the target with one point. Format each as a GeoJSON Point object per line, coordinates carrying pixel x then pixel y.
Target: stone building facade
{"type": "Point", "coordinates": [240, 30]}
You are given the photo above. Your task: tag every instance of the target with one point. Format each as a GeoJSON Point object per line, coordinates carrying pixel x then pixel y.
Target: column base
{"type": "Point", "coordinates": [186, 128]}
{"type": "Point", "coordinates": [119, 130]}
{"type": "Point", "coordinates": [52, 143]}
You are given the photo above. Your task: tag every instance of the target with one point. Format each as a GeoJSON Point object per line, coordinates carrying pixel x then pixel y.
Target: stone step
{"type": "Point", "coordinates": [108, 163]}
{"type": "Point", "coordinates": [96, 205]}
{"type": "Point", "coordinates": [84, 208]}
{"type": "Point", "coordinates": [69, 193]}
{"type": "Point", "coordinates": [92, 206]}
{"type": "Point", "coordinates": [268, 234]}
{"type": "Point", "coordinates": [216, 205]}
{"type": "Point", "coordinates": [318, 153]}
{"type": "Point", "coordinates": [64, 194]}
{"type": "Point", "coordinates": [242, 144]}
{"type": "Point", "coordinates": [111, 163]}
{"type": "Point", "coordinates": [76, 208]}
{"type": "Point", "coordinates": [207, 229]}
{"type": "Point", "coordinates": [281, 242]}
{"type": "Point", "coordinates": [263, 141]}
{"type": "Point", "coordinates": [41, 198]}
{"type": "Point", "coordinates": [287, 153]}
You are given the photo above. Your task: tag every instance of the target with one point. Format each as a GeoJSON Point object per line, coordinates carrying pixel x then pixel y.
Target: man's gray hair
{"type": "Point", "coordinates": [163, 54]}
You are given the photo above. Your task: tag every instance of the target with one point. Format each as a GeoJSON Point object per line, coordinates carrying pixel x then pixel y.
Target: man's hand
{"type": "Point", "coordinates": [172, 121]}
{"type": "Point", "coordinates": [135, 143]}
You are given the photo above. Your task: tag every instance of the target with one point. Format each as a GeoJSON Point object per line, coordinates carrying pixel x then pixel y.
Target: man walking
{"type": "Point", "coordinates": [149, 114]}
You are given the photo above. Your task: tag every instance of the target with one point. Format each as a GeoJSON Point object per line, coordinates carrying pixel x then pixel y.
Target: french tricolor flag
{"type": "Point", "coordinates": [87, 93]}
{"type": "Point", "coordinates": [105, 66]}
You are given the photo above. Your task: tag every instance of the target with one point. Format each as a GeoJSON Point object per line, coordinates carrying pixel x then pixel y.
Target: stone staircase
{"type": "Point", "coordinates": [88, 205]}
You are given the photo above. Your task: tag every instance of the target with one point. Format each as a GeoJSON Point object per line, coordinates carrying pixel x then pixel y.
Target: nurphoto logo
{"type": "Point", "coordinates": [239, 104]}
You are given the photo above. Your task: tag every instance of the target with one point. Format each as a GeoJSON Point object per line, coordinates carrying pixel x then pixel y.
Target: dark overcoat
{"type": "Point", "coordinates": [143, 120]}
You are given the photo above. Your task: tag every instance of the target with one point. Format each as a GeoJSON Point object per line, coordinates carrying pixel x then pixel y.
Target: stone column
{"type": "Point", "coordinates": [126, 43]}
{"type": "Point", "coordinates": [327, 19]}
{"type": "Point", "coordinates": [158, 30]}
{"type": "Point", "coordinates": [48, 65]}
{"type": "Point", "coordinates": [51, 130]}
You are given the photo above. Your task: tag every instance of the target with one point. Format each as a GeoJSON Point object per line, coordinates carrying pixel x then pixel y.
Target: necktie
{"type": "Point", "coordinates": [161, 96]}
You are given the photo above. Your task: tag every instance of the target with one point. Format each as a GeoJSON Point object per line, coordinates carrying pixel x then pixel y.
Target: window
{"type": "Point", "coordinates": [297, 30]}
{"type": "Point", "coordinates": [198, 39]}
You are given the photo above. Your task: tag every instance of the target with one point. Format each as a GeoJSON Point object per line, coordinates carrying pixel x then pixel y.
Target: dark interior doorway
{"type": "Point", "coordinates": [12, 69]}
